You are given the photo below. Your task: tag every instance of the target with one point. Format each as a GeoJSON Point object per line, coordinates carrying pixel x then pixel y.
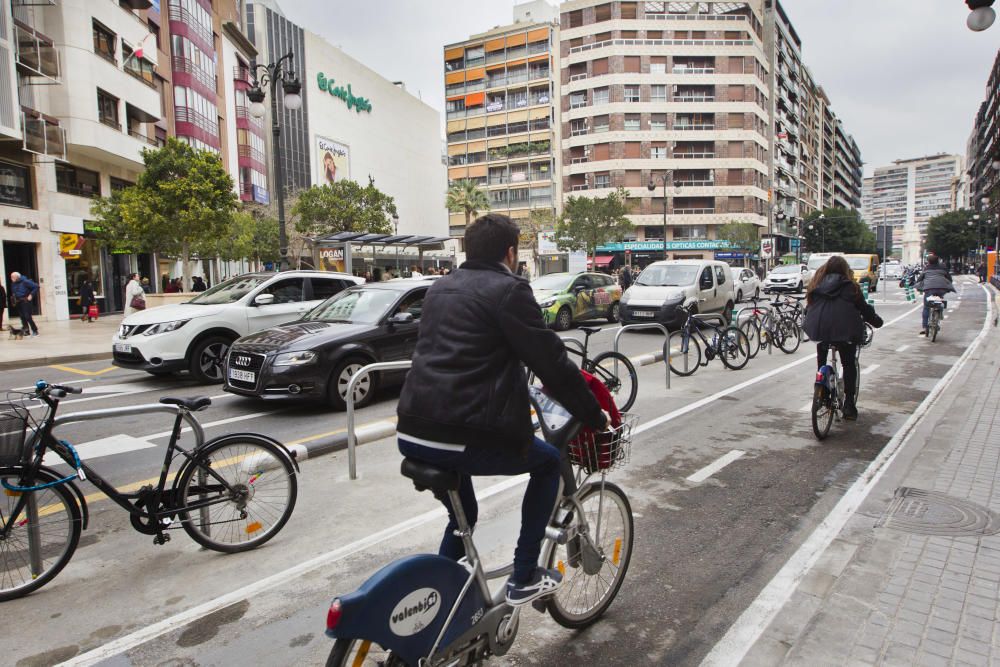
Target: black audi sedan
{"type": "Point", "coordinates": [314, 357]}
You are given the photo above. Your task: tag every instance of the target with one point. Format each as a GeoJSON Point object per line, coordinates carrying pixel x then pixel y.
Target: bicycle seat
{"type": "Point", "coordinates": [191, 404]}
{"type": "Point", "coordinates": [590, 331]}
{"type": "Point", "coordinates": [426, 476]}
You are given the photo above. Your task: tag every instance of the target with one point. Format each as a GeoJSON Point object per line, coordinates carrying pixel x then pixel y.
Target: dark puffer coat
{"type": "Point", "coordinates": [837, 312]}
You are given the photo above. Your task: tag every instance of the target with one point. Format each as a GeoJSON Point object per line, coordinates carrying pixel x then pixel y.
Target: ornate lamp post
{"type": "Point", "coordinates": [269, 76]}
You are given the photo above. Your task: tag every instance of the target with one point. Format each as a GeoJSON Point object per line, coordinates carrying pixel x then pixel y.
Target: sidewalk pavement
{"type": "Point", "coordinates": [59, 342]}
{"type": "Point", "coordinates": [913, 578]}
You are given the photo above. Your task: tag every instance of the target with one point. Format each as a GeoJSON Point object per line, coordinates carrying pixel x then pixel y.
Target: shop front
{"type": "Point", "coordinates": [640, 253]}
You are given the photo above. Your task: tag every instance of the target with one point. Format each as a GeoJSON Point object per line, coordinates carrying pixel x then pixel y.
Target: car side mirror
{"type": "Point", "coordinates": [263, 300]}
{"type": "Point", "coordinates": [401, 318]}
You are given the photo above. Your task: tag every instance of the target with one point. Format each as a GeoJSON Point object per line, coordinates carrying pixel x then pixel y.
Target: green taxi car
{"type": "Point", "coordinates": [566, 298]}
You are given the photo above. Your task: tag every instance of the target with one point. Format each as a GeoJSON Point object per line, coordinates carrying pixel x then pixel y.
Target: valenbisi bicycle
{"type": "Point", "coordinates": [730, 344]}
{"type": "Point", "coordinates": [430, 611]}
{"type": "Point", "coordinates": [232, 493]}
{"type": "Point", "coordinates": [936, 305]}
{"type": "Point", "coordinates": [828, 389]}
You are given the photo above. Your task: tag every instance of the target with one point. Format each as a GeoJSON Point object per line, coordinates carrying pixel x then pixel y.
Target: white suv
{"type": "Point", "coordinates": [196, 335]}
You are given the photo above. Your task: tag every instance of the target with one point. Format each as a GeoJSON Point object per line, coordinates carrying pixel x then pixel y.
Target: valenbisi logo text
{"type": "Point", "coordinates": [415, 612]}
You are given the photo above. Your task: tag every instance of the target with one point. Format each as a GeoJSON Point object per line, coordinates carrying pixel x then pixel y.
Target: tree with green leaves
{"type": "Point", "coordinates": [740, 235]}
{"type": "Point", "coordinates": [837, 230]}
{"type": "Point", "coordinates": [589, 222]}
{"type": "Point", "coordinates": [344, 206]}
{"type": "Point", "coordinates": [465, 196]}
{"type": "Point", "coordinates": [254, 236]}
{"type": "Point", "coordinates": [950, 236]}
{"type": "Point", "coordinates": [540, 220]}
{"type": "Point", "coordinates": [181, 205]}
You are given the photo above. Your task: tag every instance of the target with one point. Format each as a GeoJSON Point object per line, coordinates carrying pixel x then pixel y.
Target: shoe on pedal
{"type": "Point", "coordinates": [850, 413]}
{"type": "Point", "coordinates": [543, 582]}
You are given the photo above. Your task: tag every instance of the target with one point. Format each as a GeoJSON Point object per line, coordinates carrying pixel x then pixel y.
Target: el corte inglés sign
{"type": "Point", "coordinates": [359, 104]}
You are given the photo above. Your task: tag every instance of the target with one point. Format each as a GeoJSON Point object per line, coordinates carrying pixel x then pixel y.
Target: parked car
{"type": "Point", "coordinates": [315, 357]}
{"type": "Point", "coordinates": [787, 278]}
{"type": "Point", "coordinates": [746, 284]}
{"type": "Point", "coordinates": [663, 287]}
{"type": "Point", "coordinates": [567, 298]}
{"type": "Point", "coordinates": [196, 335]}
{"type": "Point", "coordinates": [892, 271]}
{"type": "Point", "coordinates": [818, 259]}
{"type": "Point", "coordinates": [865, 269]}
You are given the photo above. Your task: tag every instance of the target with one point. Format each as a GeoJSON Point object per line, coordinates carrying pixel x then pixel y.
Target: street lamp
{"type": "Point", "coordinates": [664, 179]}
{"type": "Point", "coordinates": [820, 222]}
{"type": "Point", "coordinates": [395, 226]}
{"type": "Point", "coordinates": [982, 15]}
{"type": "Point", "coordinates": [269, 77]}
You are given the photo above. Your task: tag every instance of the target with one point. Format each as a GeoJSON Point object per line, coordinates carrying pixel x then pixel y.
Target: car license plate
{"type": "Point", "coordinates": [123, 347]}
{"type": "Point", "coordinates": [642, 313]}
{"type": "Point", "coordinates": [242, 376]}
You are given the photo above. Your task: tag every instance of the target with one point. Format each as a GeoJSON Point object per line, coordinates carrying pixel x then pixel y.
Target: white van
{"type": "Point", "coordinates": [663, 287]}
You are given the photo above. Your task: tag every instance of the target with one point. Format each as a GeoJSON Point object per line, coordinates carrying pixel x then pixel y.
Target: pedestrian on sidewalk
{"type": "Point", "coordinates": [146, 287]}
{"type": "Point", "coordinates": [135, 297]}
{"type": "Point", "coordinates": [982, 272]}
{"type": "Point", "coordinates": [625, 278]}
{"type": "Point", "coordinates": [25, 290]}
{"type": "Point", "coordinates": [198, 285]}
{"type": "Point", "coordinates": [3, 304]}
{"type": "Point", "coordinates": [87, 299]}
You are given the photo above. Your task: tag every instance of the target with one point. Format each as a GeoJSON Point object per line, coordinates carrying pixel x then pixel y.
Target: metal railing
{"type": "Point", "coordinates": [649, 325]}
{"type": "Point", "coordinates": [352, 437]}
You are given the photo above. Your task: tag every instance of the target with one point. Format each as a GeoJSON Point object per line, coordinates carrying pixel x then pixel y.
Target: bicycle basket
{"type": "Point", "coordinates": [13, 430]}
{"type": "Point", "coordinates": [603, 451]}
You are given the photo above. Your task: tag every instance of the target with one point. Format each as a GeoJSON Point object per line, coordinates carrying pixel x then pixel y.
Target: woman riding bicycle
{"type": "Point", "coordinates": [835, 315]}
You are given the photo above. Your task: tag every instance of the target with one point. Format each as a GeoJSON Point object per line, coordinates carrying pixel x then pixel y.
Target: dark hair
{"type": "Point", "coordinates": [488, 238]}
{"type": "Point", "coordinates": [836, 265]}
{"type": "Point", "coordinates": [932, 259]}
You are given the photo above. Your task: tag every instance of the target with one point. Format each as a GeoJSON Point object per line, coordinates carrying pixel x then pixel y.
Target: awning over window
{"type": "Point", "coordinates": [602, 260]}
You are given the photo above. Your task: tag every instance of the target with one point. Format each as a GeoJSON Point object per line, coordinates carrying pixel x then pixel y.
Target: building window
{"type": "Point", "coordinates": [601, 95]}
{"type": "Point", "coordinates": [107, 109]}
{"type": "Point", "coordinates": [15, 185]}
{"type": "Point", "coordinates": [632, 93]}
{"type": "Point", "coordinates": [577, 100]}
{"type": "Point", "coordinates": [658, 121]}
{"type": "Point", "coordinates": [104, 42]}
{"type": "Point", "coordinates": [658, 152]}
{"type": "Point", "coordinates": [72, 180]}
{"type": "Point", "coordinates": [657, 93]}
{"type": "Point", "coordinates": [632, 122]}
{"type": "Point", "coordinates": [119, 184]}
{"type": "Point", "coordinates": [601, 124]}
{"type": "Point", "coordinates": [578, 127]}
{"type": "Point", "coordinates": [602, 180]}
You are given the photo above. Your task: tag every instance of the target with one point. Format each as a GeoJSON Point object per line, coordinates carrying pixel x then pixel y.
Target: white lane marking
{"type": "Point", "coordinates": [747, 629]}
{"type": "Point", "coordinates": [807, 407]}
{"type": "Point", "coordinates": [250, 591]}
{"type": "Point", "coordinates": [95, 449]}
{"type": "Point", "coordinates": [902, 348]}
{"type": "Point", "coordinates": [870, 369]}
{"type": "Point", "coordinates": [715, 466]}
{"type": "Point", "coordinates": [32, 387]}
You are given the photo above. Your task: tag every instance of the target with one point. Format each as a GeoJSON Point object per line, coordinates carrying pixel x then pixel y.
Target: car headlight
{"type": "Point", "coordinates": [624, 300]}
{"type": "Point", "coordinates": [676, 301]}
{"type": "Point", "coordinates": [547, 303]}
{"type": "Point", "coordinates": [295, 358]}
{"type": "Point", "coordinates": [164, 327]}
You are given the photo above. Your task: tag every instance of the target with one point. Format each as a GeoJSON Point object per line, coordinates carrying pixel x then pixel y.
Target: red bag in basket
{"type": "Point", "coordinates": [578, 447]}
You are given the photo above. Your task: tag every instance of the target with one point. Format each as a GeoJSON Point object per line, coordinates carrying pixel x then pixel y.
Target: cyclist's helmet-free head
{"type": "Point", "coordinates": [932, 260]}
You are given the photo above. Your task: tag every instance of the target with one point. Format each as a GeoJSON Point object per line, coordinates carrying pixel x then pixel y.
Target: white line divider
{"type": "Point", "coordinates": [902, 348]}
{"type": "Point", "coordinates": [151, 632]}
{"type": "Point", "coordinates": [807, 407]}
{"type": "Point", "coordinates": [870, 369]}
{"type": "Point", "coordinates": [715, 466]}
{"type": "Point", "coordinates": [744, 633]}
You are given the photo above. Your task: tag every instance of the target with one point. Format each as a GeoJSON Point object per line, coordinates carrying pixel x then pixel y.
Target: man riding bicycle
{"type": "Point", "coordinates": [935, 281]}
{"type": "Point", "coordinates": [465, 405]}
{"type": "Point", "coordinates": [835, 315]}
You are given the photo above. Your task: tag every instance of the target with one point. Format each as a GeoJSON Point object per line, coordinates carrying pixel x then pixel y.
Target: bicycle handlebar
{"type": "Point", "coordinates": [43, 388]}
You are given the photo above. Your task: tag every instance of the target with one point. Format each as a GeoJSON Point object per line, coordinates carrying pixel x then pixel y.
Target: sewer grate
{"type": "Point", "coordinates": [932, 513]}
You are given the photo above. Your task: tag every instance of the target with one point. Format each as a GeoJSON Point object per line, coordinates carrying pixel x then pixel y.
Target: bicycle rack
{"type": "Point", "coordinates": [148, 408]}
{"type": "Point", "coordinates": [352, 438]}
{"type": "Point", "coordinates": [767, 308]}
{"type": "Point", "coordinates": [648, 325]}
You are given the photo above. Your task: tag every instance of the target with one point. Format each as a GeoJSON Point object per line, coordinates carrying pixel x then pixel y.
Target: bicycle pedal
{"type": "Point", "coordinates": [539, 605]}
{"type": "Point", "coordinates": [160, 540]}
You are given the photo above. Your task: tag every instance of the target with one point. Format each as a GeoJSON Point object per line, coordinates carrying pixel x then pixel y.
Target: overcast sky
{"type": "Point", "coordinates": [905, 76]}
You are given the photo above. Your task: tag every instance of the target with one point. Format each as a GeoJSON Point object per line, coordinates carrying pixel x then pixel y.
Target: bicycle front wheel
{"type": "Point", "coordinates": [39, 531]}
{"type": "Point", "coordinates": [787, 336]}
{"type": "Point", "coordinates": [361, 653]}
{"type": "Point", "coordinates": [238, 494]}
{"type": "Point", "coordinates": [734, 348]}
{"type": "Point", "coordinates": [594, 561]}
{"type": "Point", "coordinates": [618, 374]}
{"type": "Point", "coordinates": [682, 362]}
{"type": "Point", "coordinates": [822, 412]}
{"type": "Point", "coordinates": [751, 330]}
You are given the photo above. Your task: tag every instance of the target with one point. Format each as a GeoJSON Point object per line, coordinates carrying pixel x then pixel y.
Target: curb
{"type": "Point", "coordinates": [48, 361]}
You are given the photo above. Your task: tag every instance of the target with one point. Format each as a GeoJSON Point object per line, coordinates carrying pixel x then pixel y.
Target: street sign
{"type": "Point", "coordinates": [795, 243]}
{"type": "Point", "coordinates": [767, 248]}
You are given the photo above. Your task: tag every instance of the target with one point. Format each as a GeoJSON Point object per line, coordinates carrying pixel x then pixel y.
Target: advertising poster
{"type": "Point", "coordinates": [332, 259]}
{"type": "Point", "coordinates": [334, 161]}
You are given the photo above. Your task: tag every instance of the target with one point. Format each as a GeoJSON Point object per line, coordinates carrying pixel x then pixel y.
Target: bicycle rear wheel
{"type": "Point", "coordinates": [734, 349]}
{"type": "Point", "coordinates": [935, 325]}
{"type": "Point", "coordinates": [361, 653]}
{"type": "Point", "coordinates": [787, 337]}
{"type": "Point", "coordinates": [253, 504]}
{"type": "Point", "coordinates": [618, 374]}
{"type": "Point", "coordinates": [751, 330]}
{"type": "Point", "coordinates": [593, 564]}
{"type": "Point", "coordinates": [41, 538]}
{"type": "Point", "coordinates": [684, 363]}
{"type": "Point", "coordinates": [822, 412]}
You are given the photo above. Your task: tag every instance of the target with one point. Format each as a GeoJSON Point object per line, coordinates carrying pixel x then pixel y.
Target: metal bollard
{"type": "Point", "coordinates": [649, 325]}
{"type": "Point", "coordinates": [352, 438]}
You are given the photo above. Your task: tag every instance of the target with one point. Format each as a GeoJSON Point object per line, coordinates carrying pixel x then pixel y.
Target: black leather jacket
{"type": "Point", "coordinates": [467, 384]}
{"type": "Point", "coordinates": [836, 312]}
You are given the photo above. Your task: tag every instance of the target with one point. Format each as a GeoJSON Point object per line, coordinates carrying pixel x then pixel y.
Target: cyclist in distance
{"type": "Point", "coordinates": [935, 281]}
{"type": "Point", "coordinates": [464, 405]}
{"type": "Point", "coordinates": [835, 315]}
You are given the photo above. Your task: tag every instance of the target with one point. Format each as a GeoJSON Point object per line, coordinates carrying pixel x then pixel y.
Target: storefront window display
{"type": "Point", "coordinates": [85, 266]}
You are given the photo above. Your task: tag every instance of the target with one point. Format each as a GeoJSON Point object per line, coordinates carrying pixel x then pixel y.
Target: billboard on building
{"type": "Point", "coordinates": [334, 160]}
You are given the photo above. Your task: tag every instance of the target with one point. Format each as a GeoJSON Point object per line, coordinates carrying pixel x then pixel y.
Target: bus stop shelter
{"type": "Point", "coordinates": [339, 252]}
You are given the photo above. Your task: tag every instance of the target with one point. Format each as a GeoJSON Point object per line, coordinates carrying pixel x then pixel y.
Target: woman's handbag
{"type": "Point", "coordinates": [137, 303]}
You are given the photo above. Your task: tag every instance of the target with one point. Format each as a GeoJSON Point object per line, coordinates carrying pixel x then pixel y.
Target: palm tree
{"type": "Point", "coordinates": [466, 197]}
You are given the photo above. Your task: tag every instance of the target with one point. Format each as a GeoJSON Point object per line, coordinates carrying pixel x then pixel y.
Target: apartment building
{"type": "Point", "coordinates": [847, 175]}
{"type": "Point", "coordinates": [502, 121]}
{"type": "Point", "coordinates": [675, 90]}
{"type": "Point", "coordinates": [984, 149]}
{"type": "Point", "coordinates": [810, 176]}
{"type": "Point", "coordinates": [906, 195]}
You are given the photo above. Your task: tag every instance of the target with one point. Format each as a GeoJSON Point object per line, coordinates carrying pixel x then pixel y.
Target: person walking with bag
{"type": "Point", "coordinates": [25, 290]}
{"type": "Point", "coordinates": [135, 296]}
{"type": "Point", "coordinates": [87, 300]}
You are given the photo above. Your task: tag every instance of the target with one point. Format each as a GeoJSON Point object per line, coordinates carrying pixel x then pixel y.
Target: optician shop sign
{"type": "Point", "coordinates": [359, 104]}
{"type": "Point", "coordinates": [658, 245]}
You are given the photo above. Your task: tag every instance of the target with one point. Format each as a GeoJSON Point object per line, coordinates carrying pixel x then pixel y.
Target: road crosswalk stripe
{"type": "Point", "coordinates": [715, 466]}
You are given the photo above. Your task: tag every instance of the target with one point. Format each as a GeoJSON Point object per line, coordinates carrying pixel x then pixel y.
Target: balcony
{"type": "Point", "coordinates": [36, 56]}
{"type": "Point", "coordinates": [187, 66]}
{"type": "Point", "coordinates": [43, 136]}
{"type": "Point", "coordinates": [681, 69]}
{"type": "Point", "coordinates": [694, 182]}
{"type": "Point", "coordinates": [245, 151]}
{"type": "Point", "coordinates": [695, 126]}
{"type": "Point", "coordinates": [152, 141]}
{"type": "Point", "coordinates": [186, 115]}
{"type": "Point", "coordinates": [578, 77]}
{"type": "Point", "coordinates": [693, 155]}
{"type": "Point", "coordinates": [242, 74]}
{"type": "Point", "coordinates": [693, 211]}
{"type": "Point", "coordinates": [578, 187]}
{"type": "Point", "coordinates": [182, 15]}
{"type": "Point", "coordinates": [693, 98]}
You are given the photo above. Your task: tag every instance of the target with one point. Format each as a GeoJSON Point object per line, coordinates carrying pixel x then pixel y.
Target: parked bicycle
{"type": "Point", "coordinates": [828, 390]}
{"type": "Point", "coordinates": [768, 325]}
{"type": "Point", "coordinates": [937, 305]}
{"type": "Point", "coordinates": [729, 343]}
{"type": "Point", "coordinates": [232, 493]}
{"type": "Point", "coordinates": [429, 611]}
{"type": "Point", "coordinates": [613, 369]}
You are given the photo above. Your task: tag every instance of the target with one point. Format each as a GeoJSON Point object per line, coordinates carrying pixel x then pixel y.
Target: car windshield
{"type": "Point", "coordinates": [553, 281]}
{"type": "Point", "coordinates": [816, 262]}
{"type": "Point", "coordinates": [229, 291]}
{"type": "Point", "coordinates": [360, 306]}
{"type": "Point", "coordinates": [859, 263]}
{"type": "Point", "coordinates": [668, 275]}
{"type": "Point", "coordinates": [788, 268]}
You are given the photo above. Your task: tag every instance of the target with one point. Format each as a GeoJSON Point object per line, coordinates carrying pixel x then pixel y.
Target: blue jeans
{"type": "Point", "coordinates": [541, 461]}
